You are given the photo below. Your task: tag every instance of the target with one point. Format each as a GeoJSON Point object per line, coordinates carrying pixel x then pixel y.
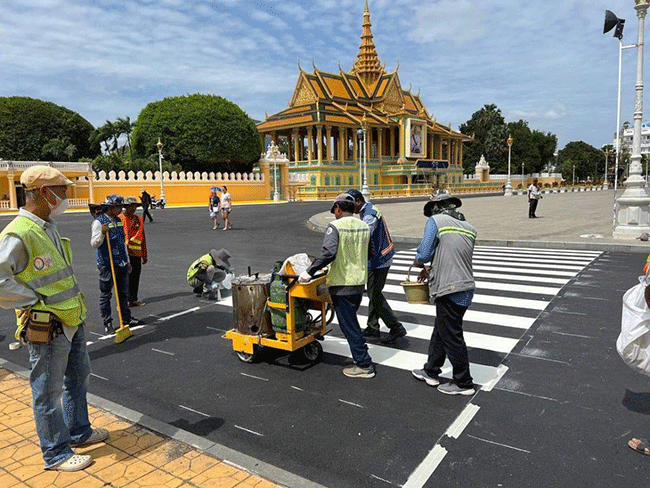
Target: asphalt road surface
{"type": "Point", "coordinates": [556, 404]}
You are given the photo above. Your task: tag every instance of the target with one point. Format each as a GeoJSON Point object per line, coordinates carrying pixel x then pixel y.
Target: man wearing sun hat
{"type": "Point", "coordinates": [136, 245]}
{"type": "Point", "coordinates": [37, 279]}
{"type": "Point", "coordinates": [346, 248]}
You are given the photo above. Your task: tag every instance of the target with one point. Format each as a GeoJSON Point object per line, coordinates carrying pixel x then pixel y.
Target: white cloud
{"type": "Point", "coordinates": [454, 20]}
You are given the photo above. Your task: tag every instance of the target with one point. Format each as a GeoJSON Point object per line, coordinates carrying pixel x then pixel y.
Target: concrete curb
{"type": "Point", "coordinates": [227, 455]}
{"type": "Point", "coordinates": [582, 246]}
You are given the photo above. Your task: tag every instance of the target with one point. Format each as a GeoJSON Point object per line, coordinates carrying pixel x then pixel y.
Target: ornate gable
{"type": "Point", "coordinates": [393, 98]}
{"type": "Point", "coordinates": [304, 93]}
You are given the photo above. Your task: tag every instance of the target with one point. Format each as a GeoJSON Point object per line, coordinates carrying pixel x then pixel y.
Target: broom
{"type": "Point", "coordinates": [123, 333]}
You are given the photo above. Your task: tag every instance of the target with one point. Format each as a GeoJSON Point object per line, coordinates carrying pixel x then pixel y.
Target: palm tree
{"type": "Point", "coordinates": [125, 126]}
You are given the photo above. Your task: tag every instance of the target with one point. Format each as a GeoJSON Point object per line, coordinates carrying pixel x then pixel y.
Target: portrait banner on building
{"type": "Point", "coordinates": [416, 138]}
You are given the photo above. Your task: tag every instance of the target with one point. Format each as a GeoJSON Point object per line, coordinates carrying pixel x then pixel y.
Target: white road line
{"type": "Point", "coordinates": [248, 430]}
{"type": "Point", "coordinates": [522, 271]}
{"type": "Point", "coordinates": [195, 411]}
{"type": "Point", "coordinates": [523, 303]}
{"type": "Point", "coordinates": [216, 328]}
{"type": "Point", "coordinates": [381, 479]}
{"type": "Point", "coordinates": [535, 279]}
{"type": "Point", "coordinates": [404, 360]}
{"type": "Point", "coordinates": [97, 376]}
{"type": "Point", "coordinates": [526, 394]}
{"type": "Point", "coordinates": [426, 468]}
{"type": "Point", "coordinates": [89, 343]}
{"type": "Point", "coordinates": [490, 259]}
{"type": "Point", "coordinates": [501, 370]}
{"type": "Point", "coordinates": [254, 377]}
{"type": "Point", "coordinates": [163, 352]}
{"type": "Point", "coordinates": [350, 403]}
{"type": "Point", "coordinates": [526, 251]}
{"type": "Point", "coordinates": [499, 444]}
{"type": "Point", "coordinates": [573, 335]}
{"type": "Point", "coordinates": [95, 333]}
{"type": "Point", "coordinates": [296, 388]}
{"type": "Point", "coordinates": [462, 421]}
{"type": "Point", "coordinates": [169, 317]}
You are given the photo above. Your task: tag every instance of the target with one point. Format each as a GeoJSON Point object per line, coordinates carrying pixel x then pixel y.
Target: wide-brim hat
{"type": "Point", "coordinates": [131, 201]}
{"type": "Point", "coordinates": [446, 198]}
{"type": "Point", "coordinates": [342, 197]}
{"type": "Point", "coordinates": [113, 201]}
{"type": "Point", "coordinates": [221, 257]}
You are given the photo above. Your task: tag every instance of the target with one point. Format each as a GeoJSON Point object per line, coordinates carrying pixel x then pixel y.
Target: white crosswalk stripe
{"type": "Point", "coordinates": [513, 286]}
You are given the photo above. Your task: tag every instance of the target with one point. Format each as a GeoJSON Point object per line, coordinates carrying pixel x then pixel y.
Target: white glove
{"type": "Point", "coordinates": [304, 277]}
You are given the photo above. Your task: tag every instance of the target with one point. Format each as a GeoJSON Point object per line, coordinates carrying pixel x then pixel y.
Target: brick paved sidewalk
{"type": "Point", "coordinates": [132, 456]}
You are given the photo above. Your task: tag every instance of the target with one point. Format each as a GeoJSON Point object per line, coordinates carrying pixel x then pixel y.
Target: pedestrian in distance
{"type": "Point", "coordinates": [346, 250]}
{"type": "Point", "coordinates": [534, 195]}
{"type": "Point", "coordinates": [136, 246]}
{"type": "Point", "coordinates": [213, 206]}
{"type": "Point", "coordinates": [448, 243]}
{"type": "Point", "coordinates": [226, 208]}
{"type": "Point", "coordinates": [38, 281]}
{"type": "Point", "coordinates": [378, 267]}
{"type": "Point", "coordinates": [145, 199]}
{"type": "Point", "coordinates": [107, 224]}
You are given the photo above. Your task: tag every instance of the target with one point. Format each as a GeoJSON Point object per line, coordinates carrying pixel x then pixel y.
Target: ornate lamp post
{"type": "Point", "coordinates": [508, 192]}
{"type": "Point", "coordinates": [365, 191]}
{"type": "Point", "coordinates": [523, 184]}
{"type": "Point", "coordinates": [574, 175]}
{"type": "Point", "coordinates": [633, 213]}
{"type": "Point", "coordinates": [159, 145]}
{"type": "Point", "coordinates": [275, 154]}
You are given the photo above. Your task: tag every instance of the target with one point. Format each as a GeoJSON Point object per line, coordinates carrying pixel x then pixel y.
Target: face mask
{"type": "Point", "coordinates": [60, 206]}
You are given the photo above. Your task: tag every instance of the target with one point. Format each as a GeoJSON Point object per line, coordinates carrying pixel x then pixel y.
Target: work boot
{"type": "Point", "coordinates": [394, 334]}
{"type": "Point", "coordinates": [370, 332]}
{"type": "Point", "coordinates": [108, 327]}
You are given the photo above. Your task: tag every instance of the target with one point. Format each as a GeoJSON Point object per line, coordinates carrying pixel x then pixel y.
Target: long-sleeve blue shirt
{"type": "Point", "coordinates": [425, 252]}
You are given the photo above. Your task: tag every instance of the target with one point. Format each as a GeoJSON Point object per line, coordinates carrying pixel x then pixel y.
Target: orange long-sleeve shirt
{"type": "Point", "coordinates": [136, 241]}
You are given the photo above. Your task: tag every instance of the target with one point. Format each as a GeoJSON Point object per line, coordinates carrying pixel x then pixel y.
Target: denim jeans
{"type": "Point", "coordinates": [106, 292]}
{"type": "Point", "coordinates": [346, 307]}
{"type": "Point", "coordinates": [59, 381]}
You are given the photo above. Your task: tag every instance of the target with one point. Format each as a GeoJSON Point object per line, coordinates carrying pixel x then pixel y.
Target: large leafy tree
{"type": "Point", "coordinates": [32, 129]}
{"type": "Point", "coordinates": [199, 132]}
{"type": "Point", "coordinates": [533, 148]}
{"type": "Point", "coordinates": [587, 160]}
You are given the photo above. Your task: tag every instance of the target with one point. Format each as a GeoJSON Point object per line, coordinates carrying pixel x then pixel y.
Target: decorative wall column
{"type": "Point", "coordinates": [401, 138]}
{"type": "Point", "coordinates": [13, 199]}
{"type": "Point", "coordinates": [380, 143]}
{"type": "Point", "coordinates": [297, 145]}
{"type": "Point", "coordinates": [355, 146]}
{"type": "Point", "coordinates": [392, 142]}
{"type": "Point", "coordinates": [319, 136]}
{"type": "Point", "coordinates": [91, 186]}
{"type": "Point", "coordinates": [328, 146]}
{"type": "Point", "coordinates": [310, 144]}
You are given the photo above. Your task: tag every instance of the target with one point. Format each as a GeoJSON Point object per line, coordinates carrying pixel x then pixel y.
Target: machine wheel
{"type": "Point", "coordinates": [313, 352]}
{"type": "Point", "coordinates": [246, 357]}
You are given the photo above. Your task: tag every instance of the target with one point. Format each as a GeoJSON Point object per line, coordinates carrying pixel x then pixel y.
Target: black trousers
{"type": "Point", "coordinates": [134, 277]}
{"type": "Point", "coordinates": [447, 341]}
{"type": "Point", "coordinates": [145, 213]}
{"type": "Point", "coordinates": [532, 206]}
{"type": "Point", "coordinates": [378, 307]}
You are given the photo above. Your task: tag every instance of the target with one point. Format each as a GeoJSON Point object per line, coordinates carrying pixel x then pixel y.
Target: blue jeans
{"type": "Point", "coordinates": [59, 381]}
{"type": "Point", "coordinates": [346, 307]}
{"type": "Point", "coordinates": [106, 292]}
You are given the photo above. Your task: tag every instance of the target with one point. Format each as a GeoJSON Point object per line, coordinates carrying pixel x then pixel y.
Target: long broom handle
{"type": "Point", "coordinates": [110, 258]}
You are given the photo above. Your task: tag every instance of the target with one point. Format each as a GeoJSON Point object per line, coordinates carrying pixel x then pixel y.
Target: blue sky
{"type": "Point", "coordinates": [544, 61]}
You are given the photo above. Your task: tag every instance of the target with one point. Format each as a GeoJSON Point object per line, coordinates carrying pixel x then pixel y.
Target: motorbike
{"type": "Point", "coordinates": [157, 203]}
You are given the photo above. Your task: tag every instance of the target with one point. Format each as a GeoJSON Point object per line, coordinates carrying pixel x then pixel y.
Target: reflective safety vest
{"type": "Point", "coordinates": [134, 235]}
{"type": "Point", "coordinates": [48, 273]}
{"type": "Point", "coordinates": [350, 268]}
{"type": "Point", "coordinates": [200, 264]}
{"type": "Point", "coordinates": [116, 235]}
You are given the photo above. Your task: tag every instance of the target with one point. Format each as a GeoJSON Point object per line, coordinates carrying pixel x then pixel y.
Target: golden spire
{"type": "Point", "coordinates": [367, 64]}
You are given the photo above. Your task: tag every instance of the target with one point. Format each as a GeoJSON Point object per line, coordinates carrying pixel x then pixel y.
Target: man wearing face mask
{"type": "Point", "coordinates": [37, 280]}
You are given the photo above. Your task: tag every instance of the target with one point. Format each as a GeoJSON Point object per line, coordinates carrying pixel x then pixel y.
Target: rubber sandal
{"type": "Point", "coordinates": [74, 463]}
{"type": "Point", "coordinates": [98, 435]}
{"type": "Point", "coordinates": [643, 446]}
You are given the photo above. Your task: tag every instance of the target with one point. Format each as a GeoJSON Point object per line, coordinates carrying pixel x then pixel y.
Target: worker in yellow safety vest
{"type": "Point", "coordinates": [346, 249]}
{"type": "Point", "coordinates": [37, 280]}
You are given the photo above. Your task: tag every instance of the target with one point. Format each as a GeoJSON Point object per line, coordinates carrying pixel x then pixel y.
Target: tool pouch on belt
{"type": "Point", "coordinates": [40, 327]}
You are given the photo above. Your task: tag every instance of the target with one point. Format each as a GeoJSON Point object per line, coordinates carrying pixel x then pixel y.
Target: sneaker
{"type": "Point", "coordinates": [394, 334]}
{"type": "Point", "coordinates": [135, 322]}
{"type": "Point", "coordinates": [108, 327]}
{"type": "Point", "coordinates": [75, 463]}
{"type": "Point", "coordinates": [97, 435]}
{"type": "Point", "coordinates": [214, 227]}
{"type": "Point", "coordinates": [453, 389]}
{"type": "Point", "coordinates": [422, 375]}
{"type": "Point", "coordinates": [370, 332]}
{"type": "Point", "coordinates": [355, 371]}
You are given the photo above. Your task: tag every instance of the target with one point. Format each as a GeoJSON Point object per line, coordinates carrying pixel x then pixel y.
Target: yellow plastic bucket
{"type": "Point", "coordinates": [415, 291]}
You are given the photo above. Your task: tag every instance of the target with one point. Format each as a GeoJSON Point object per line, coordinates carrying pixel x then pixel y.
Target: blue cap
{"type": "Point", "coordinates": [356, 194]}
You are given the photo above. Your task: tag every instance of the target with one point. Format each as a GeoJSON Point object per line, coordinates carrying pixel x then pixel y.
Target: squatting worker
{"type": "Point", "coordinates": [449, 241]}
{"type": "Point", "coordinates": [378, 266]}
{"type": "Point", "coordinates": [107, 224]}
{"type": "Point", "coordinates": [136, 246]}
{"type": "Point", "coordinates": [346, 248]}
{"type": "Point", "coordinates": [36, 275]}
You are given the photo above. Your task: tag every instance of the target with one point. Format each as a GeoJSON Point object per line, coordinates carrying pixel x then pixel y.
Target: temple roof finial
{"type": "Point", "coordinates": [367, 64]}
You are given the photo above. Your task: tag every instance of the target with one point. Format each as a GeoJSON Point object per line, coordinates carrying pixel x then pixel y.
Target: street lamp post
{"type": "Point", "coordinates": [574, 175]}
{"type": "Point", "coordinates": [159, 145]}
{"type": "Point", "coordinates": [523, 184]}
{"type": "Point", "coordinates": [633, 213]}
{"type": "Point", "coordinates": [365, 191]}
{"type": "Point", "coordinates": [508, 191]}
{"type": "Point", "coordinates": [274, 154]}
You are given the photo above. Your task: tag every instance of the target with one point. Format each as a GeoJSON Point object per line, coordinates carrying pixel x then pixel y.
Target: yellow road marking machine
{"type": "Point", "coordinates": [279, 313]}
